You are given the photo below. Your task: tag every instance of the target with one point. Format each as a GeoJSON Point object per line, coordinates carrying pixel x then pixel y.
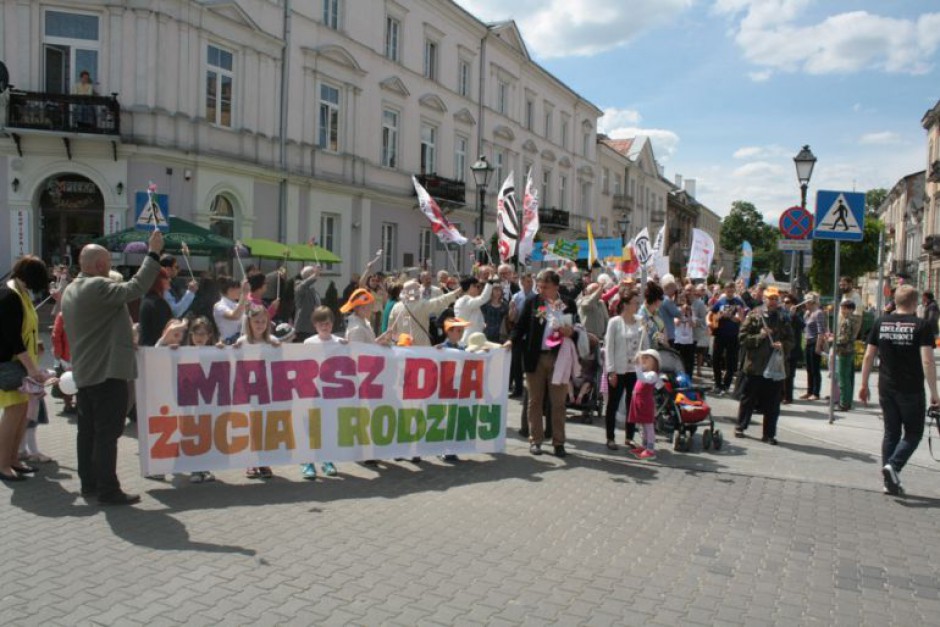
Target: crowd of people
{"type": "Point", "coordinates": [573, 334]}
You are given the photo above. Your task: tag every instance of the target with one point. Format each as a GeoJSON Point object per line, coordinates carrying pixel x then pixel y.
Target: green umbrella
{"type": "Point", "coordinates": [202, 242]}
{"type": "Point", "coordinates": [266, 248]}
{"type": "Point", "coordinates": [311, 252]}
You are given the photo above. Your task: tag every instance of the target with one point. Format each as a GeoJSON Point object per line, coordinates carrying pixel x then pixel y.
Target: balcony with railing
{"type": "Point", "coordinates": [552, 219]}
{"type": "Point", "coordinates": [444, 190]}
{"type": "Point", "coordinates": [622, 202]}
{"type": "Point", "coordinates": [64, 113]}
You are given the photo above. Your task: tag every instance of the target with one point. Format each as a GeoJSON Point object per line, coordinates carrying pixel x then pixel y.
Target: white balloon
{"type": "Point", "coordinates": [67, 384]}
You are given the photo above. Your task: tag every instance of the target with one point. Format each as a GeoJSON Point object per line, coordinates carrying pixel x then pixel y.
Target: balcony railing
{"type": "Point", "coordinates": [622, 202]}
{"type": "Point", "coordinates": [934, 175]}
{"type": "Point", "coordinates": [551, 218]}
{"type": "Point", "coordinates": [64, 113]}
{"type": "Point", "coordinates": [440, 188]}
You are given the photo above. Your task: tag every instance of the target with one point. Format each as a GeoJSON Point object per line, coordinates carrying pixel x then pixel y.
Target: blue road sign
{"type": "Point", "coordinates": [840, 216]}
{"type": "Point", "coordinates": [148, 215]}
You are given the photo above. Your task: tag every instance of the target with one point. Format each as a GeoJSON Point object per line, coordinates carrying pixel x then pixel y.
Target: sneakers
{"type": "Point", "coordinates": [309, 471]}
{"type": "Point", "coordinates": [535, 449]}
{"type": "Point", "coordinates": [739, 432]}
{"type": "Point", "coordinates": [637, 451]}
{"type": "Point", "coordinates": [329, 469]}
{"type": "Point", "coordinates": [201, 476]}
{"type": "Point", "coordinates": [892, 481]}
{"type": "Point", "coordinates": [647, 454]}
{"type": "Point", "coordinates": [450, 458]}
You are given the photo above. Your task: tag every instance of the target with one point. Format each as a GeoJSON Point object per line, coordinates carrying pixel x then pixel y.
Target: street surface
{"type": "Point", "coordinates": [751, 535]}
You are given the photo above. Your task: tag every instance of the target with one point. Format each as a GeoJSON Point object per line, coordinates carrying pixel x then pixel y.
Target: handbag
{"type": "Point", "coordinates": [12, 374]}
{"type": "Point", "coordinates": [775, 369]}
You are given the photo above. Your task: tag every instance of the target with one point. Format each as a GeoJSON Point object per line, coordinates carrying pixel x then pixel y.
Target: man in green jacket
{"type": "Point", "coordinates": [98, 326]}
{"type": "Point", "coordinates": [849, 326]}
{"type": "Point", "coordinates": [765, 330]}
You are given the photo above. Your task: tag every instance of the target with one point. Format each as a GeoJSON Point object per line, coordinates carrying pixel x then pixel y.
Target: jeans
{"type": "Point", "coordinates": [767, 392]}
{"type": "Point", "coordinates": [845, 369]}
{"type": "Point", "coordinates": [813, 368]}
{"type": "Point", "coordinates": [725, 358]}
{"type": "Point", "coordinates": [101, 413]}
{"type": "Point", "coordinates": [625, 384]}
{"type": "Point", "coordinates": [903, 411]}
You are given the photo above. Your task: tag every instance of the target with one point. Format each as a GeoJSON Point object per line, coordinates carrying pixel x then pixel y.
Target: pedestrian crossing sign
{"type": "Point", "coordinates": [152, 210]}
{"type": "Point", "coordinates": [840, 216]}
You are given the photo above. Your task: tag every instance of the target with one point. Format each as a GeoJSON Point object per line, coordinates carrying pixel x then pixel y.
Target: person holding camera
{"type": "Point", "coordinates": [904, 344]}
{"type": "Point", "coordinates": [468, 306]}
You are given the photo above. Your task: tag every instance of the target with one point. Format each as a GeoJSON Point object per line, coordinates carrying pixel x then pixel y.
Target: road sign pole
{"type": "Point", "coordinates": [833, 374]}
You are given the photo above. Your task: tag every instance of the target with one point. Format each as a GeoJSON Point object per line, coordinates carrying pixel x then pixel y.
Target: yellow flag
{"type": "Point", "coordinates": [592, 247]}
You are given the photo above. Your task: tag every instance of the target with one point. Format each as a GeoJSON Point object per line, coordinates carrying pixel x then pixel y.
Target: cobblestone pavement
{"type": "Point", "coordinates": [794, 534]}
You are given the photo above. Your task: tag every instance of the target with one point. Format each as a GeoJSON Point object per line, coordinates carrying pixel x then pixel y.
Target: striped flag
{"type": "Point", "coordinates": [507, 220]}
{"type": "Point", "coordinates": [440, 225]}
{"type": "Point", "coordinates": [530, 218]}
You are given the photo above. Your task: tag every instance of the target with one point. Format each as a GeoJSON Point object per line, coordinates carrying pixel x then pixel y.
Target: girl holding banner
{"type": "Point", "coordinates": [256, 329]}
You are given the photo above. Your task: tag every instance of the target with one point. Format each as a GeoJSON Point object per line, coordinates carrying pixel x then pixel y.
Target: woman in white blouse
{"type": "Point", "coordinates": [621, 343]}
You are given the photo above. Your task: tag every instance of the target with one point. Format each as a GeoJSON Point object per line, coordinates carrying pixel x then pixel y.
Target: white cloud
{"type": "Point", "coordinates": [880, 139]}
{"type": "Point", "coordinates": [614, 118]}
{"type": "Point", "coordinates": [760, 152]}
{"type": "Point", "coordinates": [760, 77]}
{"type": "Point", "coordinates": [560, 28]}
{"type": "Point", "coordinates": [771, 38]}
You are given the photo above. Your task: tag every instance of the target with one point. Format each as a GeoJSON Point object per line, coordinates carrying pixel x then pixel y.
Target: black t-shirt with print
{"type": "Point", "coordinates": [899, 338]}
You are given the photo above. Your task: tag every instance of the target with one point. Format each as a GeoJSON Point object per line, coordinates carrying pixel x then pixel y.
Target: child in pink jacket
{"type": "Point", "coordinates": [643, 405]}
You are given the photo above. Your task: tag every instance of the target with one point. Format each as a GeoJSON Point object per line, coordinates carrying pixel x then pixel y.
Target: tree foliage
{"type": "Point", "coordinates": [855, 258]}
{"type": "Point", "coordinates": [745, 223]}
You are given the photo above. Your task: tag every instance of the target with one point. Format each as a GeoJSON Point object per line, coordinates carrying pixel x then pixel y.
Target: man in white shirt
{"type": "Point", "coordinates": [230, 308]}
{"type": "Point", "coordinates": [468, 306]}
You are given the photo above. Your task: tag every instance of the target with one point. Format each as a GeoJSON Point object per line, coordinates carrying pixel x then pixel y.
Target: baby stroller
{"type": "Point", "coordinates": [681, 408]}
{"type": "Point", "coordinates": [586, 388]}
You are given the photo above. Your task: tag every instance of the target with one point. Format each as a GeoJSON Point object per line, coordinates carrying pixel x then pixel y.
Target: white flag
{"type": "Point", "coordinates": [658, 246]}
{"type": "Point", "coordinates": [530, 218]}
{"type": "Point", "coordinates": [440, 225]}
{"type": "Point", "coordinates": [701, 255]}
{"type": "Point", "coordinates": [641, 245]}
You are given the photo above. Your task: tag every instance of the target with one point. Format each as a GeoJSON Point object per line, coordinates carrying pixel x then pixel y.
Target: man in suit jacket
{"type": "Point", "coordinates": [539, 326]}
{"type": "Point", "coordinates": [98, 326]}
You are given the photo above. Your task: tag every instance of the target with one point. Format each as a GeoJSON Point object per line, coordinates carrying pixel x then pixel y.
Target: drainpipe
{"type": "Point", "coordinates": [481, 93]}
{"type": "Point", "coordinates": [285, 75]}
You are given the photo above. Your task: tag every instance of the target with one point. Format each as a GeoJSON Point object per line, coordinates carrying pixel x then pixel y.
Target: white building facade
{"type": "Point", "coordinates": [288, 121]}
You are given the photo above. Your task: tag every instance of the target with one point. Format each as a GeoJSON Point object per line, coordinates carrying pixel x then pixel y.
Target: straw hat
{"type": "Point", "coordinates": [455, 323]}
{"type": "Point", "coordinates": [477, 343]}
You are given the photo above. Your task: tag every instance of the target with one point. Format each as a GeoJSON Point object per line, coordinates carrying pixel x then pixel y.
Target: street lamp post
{"type": "Point", "coordinates": [804, 161]}
{"type": "Point", "coordinates": [623, 224]}
{"type": "Point", "coordinates": [481, 176]}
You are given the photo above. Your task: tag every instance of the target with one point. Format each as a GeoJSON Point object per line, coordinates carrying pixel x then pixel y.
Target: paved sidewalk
{"type": "Point", "coordinates": [751, 535]}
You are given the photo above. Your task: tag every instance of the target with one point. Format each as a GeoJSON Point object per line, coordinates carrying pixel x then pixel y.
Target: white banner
{"type": "Point", "coordinates": [700, 257]}
{"type": "Point", "coordinates": [641, 245]}
{"type": "Point", "coordinates": [210, 408]}
{"type": "Point", "coordinates": [19, 230]}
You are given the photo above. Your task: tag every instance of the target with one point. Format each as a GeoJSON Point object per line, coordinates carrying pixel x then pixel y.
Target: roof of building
{"type": "Point", "coordinates": [622, 146]}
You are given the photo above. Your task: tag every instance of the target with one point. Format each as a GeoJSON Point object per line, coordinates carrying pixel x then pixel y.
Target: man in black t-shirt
{"type": "Point", "coordinates": [905, 345]}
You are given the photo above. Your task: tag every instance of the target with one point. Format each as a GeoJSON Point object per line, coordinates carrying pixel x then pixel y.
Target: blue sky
{"type": "Point", "coordinates": [728, 91]}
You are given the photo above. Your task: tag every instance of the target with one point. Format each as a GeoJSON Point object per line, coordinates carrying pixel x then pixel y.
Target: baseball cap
{"type": "Point", "coordinates": [359, 297]}
{"type": "Point", "coordinates": [455, 323]}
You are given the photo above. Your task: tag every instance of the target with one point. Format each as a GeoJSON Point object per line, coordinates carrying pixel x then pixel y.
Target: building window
{"type": "Point", "coordinates": [502, 97]}
{"type": "Point", "coordinates": [70, 47]}
{"type": "Point", "coordinates": [586, 148]}
{"type": "Point", "coordinates": [329, 234]}
{"type": "Point", "coordinates": [463, 78]}
{"type": "Point", "coordinates": [618, 184]}
{"type": "Point", "coordinates": [564, 133]}
{"type": "Point", "coordinates": [392, 39]}
{"type": "Point", "coordinates": [331, 13]}
{"type": "Point", "coordinates": [604, 226]}
{"type": "Point", "coordinates": [562, 191]}
{"type": "Point", "coordinates": [546, 199]}
{"type": "Point", "coordinates": [389, 241]}
{"type": "Point", "coordinates": [548, 124]}
{"type": "Point", "coordinates": [586, 199]}
{"type": "Point", "coordinates": [428, 149]}
{"type": "Point", "coordinates": [329, 118]}
{"type": "Point", "coordinates": [605, 180]}
{"type": "Point", "coordinates": [219, 81]}
{"type": "Point", "coordinates": [526, 169]}
{"type": "Point", "coordinates": [530, 114]}
{"type": "Point", "coordinates": [425, 246]}
{"type": "Point", "coordinates": [633, 189]}
{"type": "Point", "coordinates": [500, 167]}
{"type": "Point", "coordinates": [430, 59]}
{"type": "Point", "coordinates": [222, 217]}
{"type": "Point", "coordinates": [460, 158]}
{"type": "Point", "coordinates": [390, 138]}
